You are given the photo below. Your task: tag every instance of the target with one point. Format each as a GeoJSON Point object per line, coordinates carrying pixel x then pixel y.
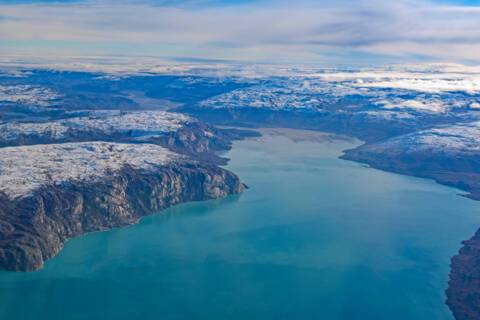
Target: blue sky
{"type": "Point", "coordinates": [302, 31]}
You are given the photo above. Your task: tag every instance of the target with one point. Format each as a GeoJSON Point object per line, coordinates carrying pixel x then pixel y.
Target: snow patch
{"type": "Point", "coordinates": [27, 94]}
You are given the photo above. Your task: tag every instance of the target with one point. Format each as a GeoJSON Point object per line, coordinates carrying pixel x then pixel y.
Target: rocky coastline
{"type": "Point", "coordinates": [34, 228]}
{"type": "Point", "coordinates": [463, 292]}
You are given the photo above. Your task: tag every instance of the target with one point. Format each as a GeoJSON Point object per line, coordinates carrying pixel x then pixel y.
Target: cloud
{"type": "Point", "coordinates": [308, 31]}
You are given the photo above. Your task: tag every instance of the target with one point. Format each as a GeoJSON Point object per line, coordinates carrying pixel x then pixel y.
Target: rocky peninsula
{"type": "Point", "coordinates": [51, 193]}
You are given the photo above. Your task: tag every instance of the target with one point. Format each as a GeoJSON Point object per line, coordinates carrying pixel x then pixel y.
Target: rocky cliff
{"type": "Point", "coordinates": [35, 227]}
{"type": "Point", "coordinates": [201, 141]}
{"type": "Point", "coordinates": [463, 293]}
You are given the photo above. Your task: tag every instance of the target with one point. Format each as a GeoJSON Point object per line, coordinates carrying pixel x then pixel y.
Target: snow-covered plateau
{"type": "Point", "coordinates": [327, 92]}
{"type": "Point", "coordinates": [463, 138]}
{"type": "Point", "coordinates": [25, 169]}
{"type": "Point", "coordinates": [106, 123]}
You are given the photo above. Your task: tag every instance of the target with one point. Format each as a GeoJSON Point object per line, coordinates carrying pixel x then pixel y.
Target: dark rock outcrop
{"type": "Point", "coordinates": [463, 293]}
{"type": "Point", "coordinates": [201, 141]}
{"type": "Point", "coordinates": [34, 228]}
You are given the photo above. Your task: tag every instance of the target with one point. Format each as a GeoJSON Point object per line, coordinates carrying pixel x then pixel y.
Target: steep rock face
{"type": "Point", "coordinates": [463, 293]}
{"type": "Point", "coordinates": [201, 141]}
{"type": "Point", "coordinates": [34, 228]}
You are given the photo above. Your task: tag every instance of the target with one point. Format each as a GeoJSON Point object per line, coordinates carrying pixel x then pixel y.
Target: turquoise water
{"type": "Point", "coordinates": [314, 237]}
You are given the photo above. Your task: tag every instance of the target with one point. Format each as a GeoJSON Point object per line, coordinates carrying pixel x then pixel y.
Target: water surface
{"type": "Point", "coordinates": [314, 237]}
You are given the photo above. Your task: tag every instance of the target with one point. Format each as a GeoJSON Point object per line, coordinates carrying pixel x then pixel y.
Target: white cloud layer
{"type": "Point", "coordinates": [313, 31]}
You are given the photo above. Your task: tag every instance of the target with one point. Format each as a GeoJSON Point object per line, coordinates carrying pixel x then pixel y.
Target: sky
{"type": "Point", "coordinates": [258, 31]}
